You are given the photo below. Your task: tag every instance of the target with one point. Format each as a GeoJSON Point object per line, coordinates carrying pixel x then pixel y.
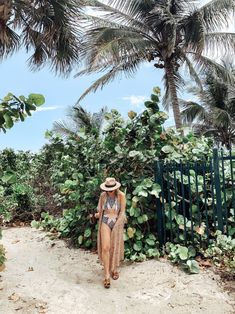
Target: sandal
{"type": "Point", "coordinates": [107, 283]}
{"type": "Point", "coordinates": [115, 275]}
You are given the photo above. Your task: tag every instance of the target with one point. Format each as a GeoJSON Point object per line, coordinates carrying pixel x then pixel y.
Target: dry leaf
{"type": "Point", "coordinates": [163, 136]}
{"type": "Point", "coordinates": [42, 307]}
{"type": "Point", "coordinates": [14, 297]}
{"type": "Point", "coordinates": [205, 263]}
{"type": "Point", "coordinates": [16, 241]}
{"type": "Point", "coordinates": [200, 230]}
{"type": "Point", "coordinates": [2, 267]}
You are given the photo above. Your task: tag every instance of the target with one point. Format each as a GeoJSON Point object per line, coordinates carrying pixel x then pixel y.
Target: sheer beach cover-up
{"type": "Point", "coordinates": [117, 241]}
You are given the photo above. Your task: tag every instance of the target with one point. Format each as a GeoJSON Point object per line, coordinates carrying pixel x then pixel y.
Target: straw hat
{"type": "Point", "coordinates": [110, 184]}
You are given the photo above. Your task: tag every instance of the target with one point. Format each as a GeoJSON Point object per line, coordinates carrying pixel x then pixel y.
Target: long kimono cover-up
{"type": "Point", "coordinates": [117, 241]}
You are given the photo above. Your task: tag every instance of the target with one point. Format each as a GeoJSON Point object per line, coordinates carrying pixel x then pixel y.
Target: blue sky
{"type": "Point", "coordinates": [122, 94]}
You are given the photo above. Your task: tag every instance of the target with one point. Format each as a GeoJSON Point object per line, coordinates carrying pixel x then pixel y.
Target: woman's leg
{"type": "Point", "coordinates": [105, 242]}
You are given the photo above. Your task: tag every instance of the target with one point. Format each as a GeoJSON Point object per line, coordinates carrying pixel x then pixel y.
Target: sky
{"type": "Point", "coordinates": [123, 94]}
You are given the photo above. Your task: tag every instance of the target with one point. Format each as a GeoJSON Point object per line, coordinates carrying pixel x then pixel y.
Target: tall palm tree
{"type": "Point", "coordinates": [214, 114]}
{"type": "Point", "coordinates": [170, 33]}
{"type": "Point", "coordinates": [47, 28]}
{"type": "Point", "coordinates": [80, 120]}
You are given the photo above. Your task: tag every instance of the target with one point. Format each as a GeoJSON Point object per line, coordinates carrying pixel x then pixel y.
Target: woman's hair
{"type": "Point", "coordinates": [116, 192]}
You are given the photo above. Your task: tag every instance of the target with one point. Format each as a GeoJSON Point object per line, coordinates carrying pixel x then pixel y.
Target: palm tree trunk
{"type": "Point", "coordinates": [173, 93]}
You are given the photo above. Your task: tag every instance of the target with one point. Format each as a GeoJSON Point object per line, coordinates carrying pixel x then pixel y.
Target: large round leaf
{"type": "Point", "coordinates": [193, 266]}
{"type": "Point", "coordinates": [137, 246]}
{"type": "Point", "coordinates": [183, 252]}
{"type": "Point", "coordinates": [8, 120]}
{"type": "Point", "coordinates": [37, 99]}
{"type": "Point", "coordinates": [167, 149]}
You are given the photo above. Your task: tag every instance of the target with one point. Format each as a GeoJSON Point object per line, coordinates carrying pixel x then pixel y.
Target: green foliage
{"type": "Point", "coordinates": [2, 258]}
{"type": "Point", "coordinates": [18, 197]}
{"type": "Point", "coordinates": [222, 251]}
{"type": "Point", "coordinates": [183, 256]}
{"type": "Point", "coordinates": [13, 194]}
{"type": "Point", "coordinates": [13, 109]}
{"type": "Point", "coordinates": [48, 222]}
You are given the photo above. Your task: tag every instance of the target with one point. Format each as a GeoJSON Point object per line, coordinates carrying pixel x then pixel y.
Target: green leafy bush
{"type": "Point", "coordinates": [222, 251]}
{"type": "Point", "coordinates": [183, 256]}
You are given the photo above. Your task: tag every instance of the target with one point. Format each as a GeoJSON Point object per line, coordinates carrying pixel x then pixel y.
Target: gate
{"type": "Point", "coordinates": [196, 199]}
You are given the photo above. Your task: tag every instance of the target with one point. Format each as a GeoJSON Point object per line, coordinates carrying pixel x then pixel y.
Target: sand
{"type": "Point", "coordinates": [45, 276]}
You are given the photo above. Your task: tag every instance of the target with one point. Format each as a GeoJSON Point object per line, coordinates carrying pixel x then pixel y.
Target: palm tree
{"type": "Point", "coordinates": [80, 120]}
{"type": "Point", "coordinates": [171, 33]}
{"type": "Point", "coordinates": [48, 28]}
{"type": "Point", "coordinates": [214, 115]}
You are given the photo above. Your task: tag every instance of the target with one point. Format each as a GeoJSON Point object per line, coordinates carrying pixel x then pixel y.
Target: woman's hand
{"type": "Point", "coordinates": [96, 215]}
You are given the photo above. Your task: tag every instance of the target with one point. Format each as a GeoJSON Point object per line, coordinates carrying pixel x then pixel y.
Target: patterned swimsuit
{"type": "Point", "coordinates": [111, 210]}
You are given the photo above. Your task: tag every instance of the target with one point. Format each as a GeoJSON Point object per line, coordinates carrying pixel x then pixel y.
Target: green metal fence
{"type": "Point", "coordinates": [196, 199]}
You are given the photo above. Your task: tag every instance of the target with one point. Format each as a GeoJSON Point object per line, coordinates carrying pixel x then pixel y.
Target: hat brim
{"type": "Point", "coordinates": [105, 188]}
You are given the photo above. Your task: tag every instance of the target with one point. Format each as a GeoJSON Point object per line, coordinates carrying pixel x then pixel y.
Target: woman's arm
{"type": "Point", "coordinates": [100, 205]}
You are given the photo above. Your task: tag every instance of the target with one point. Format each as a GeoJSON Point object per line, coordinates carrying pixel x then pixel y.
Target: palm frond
{"type": "Point", "coordinates": [116, 15]}
{"type": "Point", "coordinates": [205, 64]}
{"type": "Point", "coordinates": [80, 121]}
{"type": "Point", "coordinates": [81, 117]}
{"type": "Point", "coordinates": [105, 79]}
{"type": "Point", "coordinates": [9, 41]}
{"type": "Point", "coordinates": [194, 32]}
{"type": "Point", "coordinates": [216, 13]}
{"type": "Point", "coordinates": [192, 111]}
{"type": "Point", "coordinates": [64, 128]}
{"type": "Point", "coordinates": [193, 73]}
{"type": "Point", "coordinates": [128, 68]}
{"type": "Point", "coordinates": [222, 118]}
{"type": "Point", "coordinates": [98, 119]}
{"type": "Point", "coordinates": [224, 42]}
{"type": "Point", "coordinates": [50, 29]}
{"type": "Point", "coordinates": [139, 8]}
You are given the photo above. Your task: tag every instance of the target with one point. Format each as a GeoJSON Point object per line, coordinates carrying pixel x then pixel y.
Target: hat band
{"type": "Point", "coordinates": [110, 186]}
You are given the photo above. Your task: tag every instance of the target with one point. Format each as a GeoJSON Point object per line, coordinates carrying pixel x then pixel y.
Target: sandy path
{"type": "Point", "coordinates": [44, 276]}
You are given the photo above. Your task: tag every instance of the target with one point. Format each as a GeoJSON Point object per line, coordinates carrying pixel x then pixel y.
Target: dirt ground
{"type": "Point", "coordinates": [45, 276]}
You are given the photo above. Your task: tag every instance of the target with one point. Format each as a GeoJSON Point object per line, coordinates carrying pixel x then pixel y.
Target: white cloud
{"type": "Point", "coordinates": [135, 100]}
{"type": "Point", "coordinates": [47, 108]}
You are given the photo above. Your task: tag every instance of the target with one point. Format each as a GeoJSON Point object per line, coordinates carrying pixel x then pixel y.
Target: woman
{"type": "Point", "coordinates": [111, 214]}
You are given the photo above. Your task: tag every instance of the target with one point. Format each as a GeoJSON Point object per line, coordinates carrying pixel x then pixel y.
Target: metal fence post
{"type": "Point", "coordinates": [160, 226]}
{"type": "Point", "coordinates": [219, 206]}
